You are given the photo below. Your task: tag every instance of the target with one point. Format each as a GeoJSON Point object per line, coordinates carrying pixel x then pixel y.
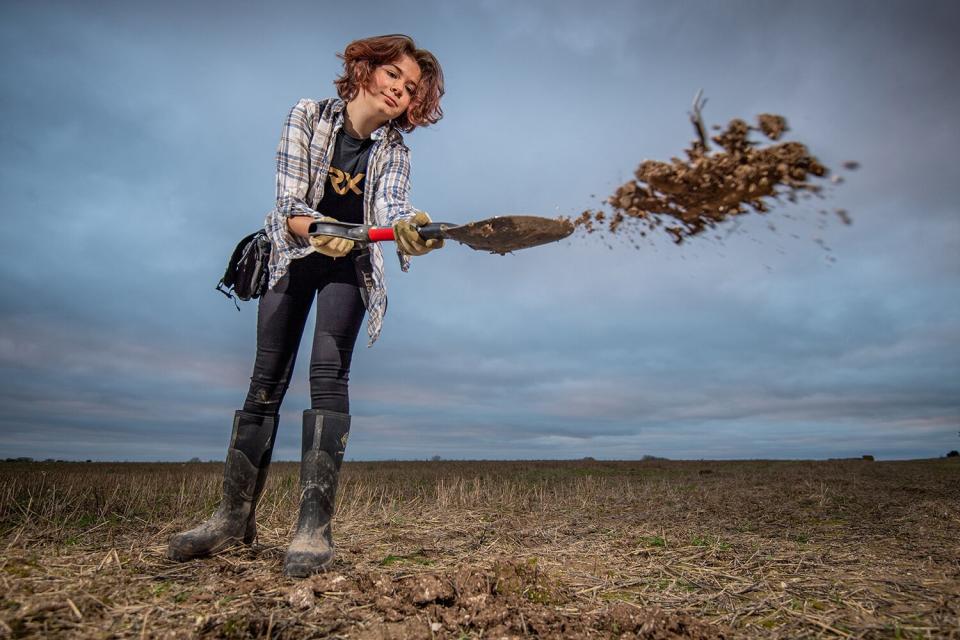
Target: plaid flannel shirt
{"type": "Point", "coordinates": [303, 161]}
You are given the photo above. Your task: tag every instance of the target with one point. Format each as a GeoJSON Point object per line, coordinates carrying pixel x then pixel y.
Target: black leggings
{"type": "Point", "coordinates": [281, 318]}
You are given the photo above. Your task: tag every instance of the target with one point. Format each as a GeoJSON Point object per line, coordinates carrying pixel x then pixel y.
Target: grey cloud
{"type": "Point", "coordinates": [162, 123]}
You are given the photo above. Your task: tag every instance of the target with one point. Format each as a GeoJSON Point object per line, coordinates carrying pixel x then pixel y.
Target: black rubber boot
{"type": "Point", "coordinates": [324, 441]}
{"type": "Point", "coordinates": [244, 476]}
{"type": "Point", "coordinates": [250, 533]}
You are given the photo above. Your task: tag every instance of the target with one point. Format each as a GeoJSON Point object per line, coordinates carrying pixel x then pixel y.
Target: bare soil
{"type": "Point", "coordinates": [576, 549]}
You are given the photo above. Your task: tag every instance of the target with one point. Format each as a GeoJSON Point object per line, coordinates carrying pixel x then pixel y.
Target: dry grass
{"type": "Point", "coordinates": [552, 549]}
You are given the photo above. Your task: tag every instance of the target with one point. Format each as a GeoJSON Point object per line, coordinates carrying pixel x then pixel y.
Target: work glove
{"type": "Point", "coordinates": [331, 245]}
{"type": "Point", "coordinates": [407, 238]}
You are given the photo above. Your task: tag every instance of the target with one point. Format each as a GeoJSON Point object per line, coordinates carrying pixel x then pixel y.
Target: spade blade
{"type": "Point", "coordinates": [503, 234]}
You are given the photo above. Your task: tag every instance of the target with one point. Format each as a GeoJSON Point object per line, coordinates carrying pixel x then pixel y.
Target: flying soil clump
{"type": "Point", "coordinates": [686, 197]}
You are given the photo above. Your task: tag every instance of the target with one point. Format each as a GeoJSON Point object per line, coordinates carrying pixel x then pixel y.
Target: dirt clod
{"type": "Point", "coordinates": [773, 126]}
{"type": "Point", "coordinates": [301, 597]}
{"type": "Point", "coordinates": [684, 197]}
{"type": "Point", "coordinates": [428, 589]}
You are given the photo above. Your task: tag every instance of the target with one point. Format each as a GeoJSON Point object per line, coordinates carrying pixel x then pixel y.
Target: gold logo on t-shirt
{"type": "Point", "coordinates": [338, 178]}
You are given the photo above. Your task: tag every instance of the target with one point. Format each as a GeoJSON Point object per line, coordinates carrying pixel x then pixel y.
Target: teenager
{"type": "Point", "coordinates": [341, 159]}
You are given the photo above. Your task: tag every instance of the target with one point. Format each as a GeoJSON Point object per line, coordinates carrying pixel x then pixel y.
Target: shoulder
{"type": "Point", "coordinates": [395, 155]}
{"type": "Point", "coordinates": [395, 141]}
{"type": "Point", "coordinates": [393, 148]}
{"type": "Point", "coordinates": [313, 110]}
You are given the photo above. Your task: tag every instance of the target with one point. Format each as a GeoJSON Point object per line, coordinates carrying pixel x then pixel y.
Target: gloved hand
{"type": "Point", "coordinates": [407, 238]}
{"type": "Point", "coordinates": [331, 245]}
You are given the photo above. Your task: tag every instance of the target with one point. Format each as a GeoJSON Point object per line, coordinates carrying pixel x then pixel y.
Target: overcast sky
{"type": "Point", "coordinates": [137, 146]}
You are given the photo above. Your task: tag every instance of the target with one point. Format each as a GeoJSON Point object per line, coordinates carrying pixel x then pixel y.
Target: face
{"type": "Point", "coordinates": [392, 87]}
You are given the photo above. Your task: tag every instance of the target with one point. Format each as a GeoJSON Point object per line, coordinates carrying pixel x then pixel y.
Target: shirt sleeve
{"type": "Point", "coordinates": [293, 175]}
{"type": "Point", "coordinates": [293, 160]}
{"type": "Point", "coordinates": [392, 198]}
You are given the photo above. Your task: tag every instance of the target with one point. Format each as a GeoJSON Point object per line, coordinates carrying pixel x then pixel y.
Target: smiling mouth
{"type": "Point", "coordinates": [390, 101]}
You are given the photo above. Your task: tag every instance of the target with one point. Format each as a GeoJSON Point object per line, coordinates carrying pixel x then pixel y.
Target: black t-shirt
{"type": "Point", "coordinates": [343, 191]}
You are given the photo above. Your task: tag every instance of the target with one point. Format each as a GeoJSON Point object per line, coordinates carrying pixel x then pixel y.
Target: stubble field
{"type": "Point", "coordinates": [593, 549]}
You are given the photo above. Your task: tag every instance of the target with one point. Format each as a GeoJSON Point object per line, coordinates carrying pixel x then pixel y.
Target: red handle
{"type": "Point", "coordinates": [380, 234]}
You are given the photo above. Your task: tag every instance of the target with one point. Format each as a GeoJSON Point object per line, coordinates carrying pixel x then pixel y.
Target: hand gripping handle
{"type": "Point", "coordinates": [365, 233]}
{"type": "Point", "coordinates": [380, 234]}
{"type": "Point", "coordinates": [434, 230]}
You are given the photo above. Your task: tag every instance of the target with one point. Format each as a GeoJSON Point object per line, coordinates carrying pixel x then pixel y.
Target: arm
{"type": "Point", "coordinates": [298, 225]}
{"type": "Point", "coordinates": [293, 180]}
{"type": "Point", "coordinates": [293, 161]}
{"type": "Point", "coordinates": [392, 196]}
{"type": "Point", "coordinates": [292, 215]}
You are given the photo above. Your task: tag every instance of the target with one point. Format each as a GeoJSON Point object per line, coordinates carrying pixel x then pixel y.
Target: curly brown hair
{"type": "Point", "coordinates": [361, 57]}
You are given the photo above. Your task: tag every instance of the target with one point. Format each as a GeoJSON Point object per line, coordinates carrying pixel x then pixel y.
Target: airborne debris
{"type": "Point", "coordinates": [686, 197]}
{"type": "Point", "coordinates": [773, 126]}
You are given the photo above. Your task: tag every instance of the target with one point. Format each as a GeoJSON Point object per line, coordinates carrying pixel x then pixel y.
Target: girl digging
{"type": "Point", "coordinates": [341, 159]}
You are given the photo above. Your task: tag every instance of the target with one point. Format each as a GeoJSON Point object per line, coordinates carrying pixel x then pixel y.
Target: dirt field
{"type": "Point", "coordinates": [650, 549]}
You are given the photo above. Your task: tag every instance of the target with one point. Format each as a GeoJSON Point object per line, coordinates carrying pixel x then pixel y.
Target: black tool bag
{"type": "Point", "coordinates": [248, 271]}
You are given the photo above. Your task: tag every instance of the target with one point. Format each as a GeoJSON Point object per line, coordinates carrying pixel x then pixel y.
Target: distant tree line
{"type": "Point", "coordinates": [29, 459]}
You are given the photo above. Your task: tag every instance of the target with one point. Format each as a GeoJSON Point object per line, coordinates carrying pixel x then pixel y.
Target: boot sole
{"type": "Point", "coordinates": [305, 569]}
{"type": "Point", "coordinates": [184, 556]}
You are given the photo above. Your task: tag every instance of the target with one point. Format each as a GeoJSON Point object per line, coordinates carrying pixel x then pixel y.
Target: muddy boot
{"type": "Point", "coordinates": [324, 441]}
{"type": "Point", "coordinates": [250, 534]}
{"type": "Point", "coordinates": [248, 455]}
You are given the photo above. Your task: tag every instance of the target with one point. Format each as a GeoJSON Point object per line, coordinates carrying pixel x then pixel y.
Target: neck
{"type": "Point", "coordinates": [360, 123]}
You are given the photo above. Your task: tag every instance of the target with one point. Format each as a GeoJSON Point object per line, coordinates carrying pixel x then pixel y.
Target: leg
{"type": "Point", "coordinates": [324, 442]}
{"type": "Point", "coordinates": [250, 442]}
{"type": "Point", "coordinates": [325, 427]}
{"type": "Point", "coordinates": [340, 313]}
{"type": "Point", "coordinates": [281, 317]}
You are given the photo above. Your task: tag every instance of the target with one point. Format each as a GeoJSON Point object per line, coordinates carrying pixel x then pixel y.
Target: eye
{"type": "Point", "coordinates": [391, 73]}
